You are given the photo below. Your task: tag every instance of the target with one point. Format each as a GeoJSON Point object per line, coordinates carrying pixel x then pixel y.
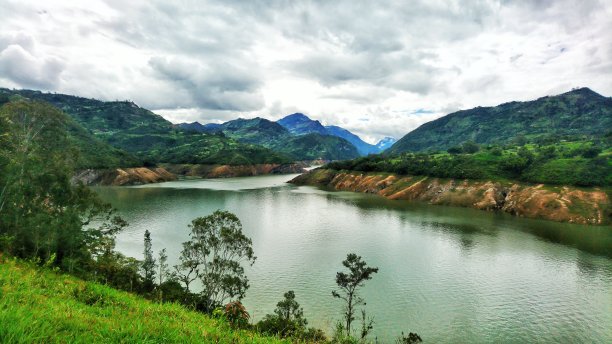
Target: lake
{"type": "Point", "coordinates": [450, 274]}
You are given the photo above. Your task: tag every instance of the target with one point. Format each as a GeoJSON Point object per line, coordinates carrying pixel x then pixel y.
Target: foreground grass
{"type": "Point", "coordinates": [41, 306]}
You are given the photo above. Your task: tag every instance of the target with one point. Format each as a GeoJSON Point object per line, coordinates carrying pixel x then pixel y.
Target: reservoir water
{"type": "Point", "coordinates": [452, 275]}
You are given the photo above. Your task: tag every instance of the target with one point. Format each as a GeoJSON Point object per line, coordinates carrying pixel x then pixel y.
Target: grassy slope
{"type": "Point", "coordinates": [43, 306]}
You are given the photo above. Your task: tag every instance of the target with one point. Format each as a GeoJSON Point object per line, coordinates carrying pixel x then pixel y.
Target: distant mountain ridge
{"type": "Point", "coordinates": [300, 124]}
{"type": "Point", "coordinates": [385, 143]}
{"type": "Point", "coordinates": [272, 135]}
{"type": "Point", "coordinates": [267, 133]}
{"type": "Point", "coordinates": [577, 112]}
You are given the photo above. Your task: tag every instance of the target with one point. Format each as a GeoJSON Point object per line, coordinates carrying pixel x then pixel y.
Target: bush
{"type": "Point", "coordinates": [236, 314]}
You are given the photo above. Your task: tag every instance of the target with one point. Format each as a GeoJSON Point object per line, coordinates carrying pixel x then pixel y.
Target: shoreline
{"type": "Point", "coordinates": [170, 172]}
{"type": "Point", "coordinates": [554, 203]}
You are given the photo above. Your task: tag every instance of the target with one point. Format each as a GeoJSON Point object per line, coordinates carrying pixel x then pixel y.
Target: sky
{"type": "Point", "coordinates": [377, 68]}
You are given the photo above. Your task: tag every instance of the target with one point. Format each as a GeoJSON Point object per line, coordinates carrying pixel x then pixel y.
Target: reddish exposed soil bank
{"type": "Point", "coordinates": [557, 203]}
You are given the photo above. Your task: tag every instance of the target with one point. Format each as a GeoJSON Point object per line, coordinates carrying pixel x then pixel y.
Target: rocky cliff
{"type": "Point", "coordinates": [124, 176]}
{"type": "Point", "coordinates": [557, 203]}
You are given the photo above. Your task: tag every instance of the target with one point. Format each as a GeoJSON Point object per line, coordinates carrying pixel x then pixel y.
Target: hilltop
{"type": "Point", "coordinates": [580, 112]}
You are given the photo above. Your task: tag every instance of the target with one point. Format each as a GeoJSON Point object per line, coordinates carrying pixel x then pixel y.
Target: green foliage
{"type": "Point", "coordinates": [148, 264]}
{"type": "Point", "coordinates": [348, 283]}
{"type": "Point", "coordinates": [561, 163]}
{"type": "Point", "coordinates": [215, 253]}
{"type": "Point", "coordinates": [316, 146]}
{"type": "Point", "coordinates": [288, 321]}
{"type": "Point", "coordinates": [41, 306]}
{"type": "Point", "coordinates": [571, 115]}
{"type": "Point", "coordinates": [41, 213]}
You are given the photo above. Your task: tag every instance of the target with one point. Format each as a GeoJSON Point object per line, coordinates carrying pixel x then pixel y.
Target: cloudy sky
{"type": "Point", "coordinates": [376, 68]}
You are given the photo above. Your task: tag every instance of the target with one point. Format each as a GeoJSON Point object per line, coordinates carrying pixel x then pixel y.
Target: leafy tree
{"type": "Point", "coordinates": [216, 251]}
{"type": "Point", "coordinates": [455, 150]}
{"type": "Point", "coordinates": [148, 264]}
{"type": "Point", "coordinates": [470, 147]}
{"type": "Point", "coordinates": [349, 283]}
{"type": "Point", "coordinates": [162, 272]}
{"type": "Point", "coordinates": [591, 152]}
{"type": "Point", "coordinates": [43, 216]}
{"type": "Point", "coordinates": [288, 318]}
{"type": "Point", "coordinates": [188, 269]}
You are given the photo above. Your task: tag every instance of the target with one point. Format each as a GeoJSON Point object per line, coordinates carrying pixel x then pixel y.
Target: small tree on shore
{"type": "Point", "coordinates": [148, 264]}
{"type": "Point", "coordinates": [215, 254]}
{"type": "Point", "coordinates": [349, 283]}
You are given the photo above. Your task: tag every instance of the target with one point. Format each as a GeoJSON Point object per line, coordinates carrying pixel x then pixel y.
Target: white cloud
{"type": "Point", "coordinates": [359, 64]}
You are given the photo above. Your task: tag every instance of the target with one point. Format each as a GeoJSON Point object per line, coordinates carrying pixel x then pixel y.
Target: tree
{"type": "Point", "coordinates": [148, 264]}
{"type": "Point", "coordinates": [43, 215]}
{"type": "Point", "coordinates": [162, 271]}
{"type": "Point", "coordinates": [288, 318]}
{"type": "Point", "coordinates": [188, 270]}
{"type": "Point", "coordinates": [162, 266]}
{"type": "Point", "coordinates": [470, 147]}
{"type": "Point", "coordinates": [348, 284]}
{"type": "Point", "coordinates": [215, 253]}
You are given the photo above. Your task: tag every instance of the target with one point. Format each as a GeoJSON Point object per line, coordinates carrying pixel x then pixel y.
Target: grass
{"type": "Point", "coordinates": [42, 306]}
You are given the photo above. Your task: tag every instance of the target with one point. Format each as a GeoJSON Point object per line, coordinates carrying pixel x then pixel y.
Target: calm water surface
{"type": "Point", "coordinates": [452, 275]}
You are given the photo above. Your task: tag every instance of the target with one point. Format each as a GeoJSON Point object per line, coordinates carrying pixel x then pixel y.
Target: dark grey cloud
{"type": "Point", "coordinates": [218, 86]}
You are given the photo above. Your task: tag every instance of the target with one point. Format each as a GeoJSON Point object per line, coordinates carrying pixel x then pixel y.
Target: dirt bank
{"type": "Point", "coordinates": [557, 203]}
{"type": "Point", "coordinates": [226, 171]}
{"type": "Point", "coordinates": [124, 176]}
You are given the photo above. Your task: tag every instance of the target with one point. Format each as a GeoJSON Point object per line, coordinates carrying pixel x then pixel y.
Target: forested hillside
{"type": "Point", "coordinates": [137, 132]}
{"type": "Point", "coordinates": [573, 115]}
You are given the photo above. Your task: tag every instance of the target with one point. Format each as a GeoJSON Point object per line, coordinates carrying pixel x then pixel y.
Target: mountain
{"type": "Point", "coordinates": [87, 150]}
{"type": "Point", "coordinates": [385, 143]}
{"type": "Point", "coordinates": [315, 146]}
{"type": "Point", "coordinates": [274, 136]}
{"type": "Point", "coordinates": [148, 136]}
{"type": "Point", "coordinates": [300, 124]}
{"type": "Point", "coordinates": [363, 148]}
{"type": "Point", "coordinates": [575, 113]}
{"type": "Point", "coordinates": [256, 131]}
{"type": "Point", "coordinates": [198, 127]}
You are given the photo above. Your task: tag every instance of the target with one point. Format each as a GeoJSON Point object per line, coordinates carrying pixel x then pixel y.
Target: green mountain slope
{"type": "Point", "coordinates": [575, 113]}
{"type": "Point", "coordinates": [315, 146]}
{"type": "Point", "coordinates": [256, 131]}
{"type": "Point", "coordinates": [272, 135]}
{"type": "Point", "coordinates": [40, 306]}
{"type": "Point", "coordinates": [147, 136]}
{"type": "Point", "coordinates": [102, 118]}
{"type": "Point", "coordinates": [87, 150]}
